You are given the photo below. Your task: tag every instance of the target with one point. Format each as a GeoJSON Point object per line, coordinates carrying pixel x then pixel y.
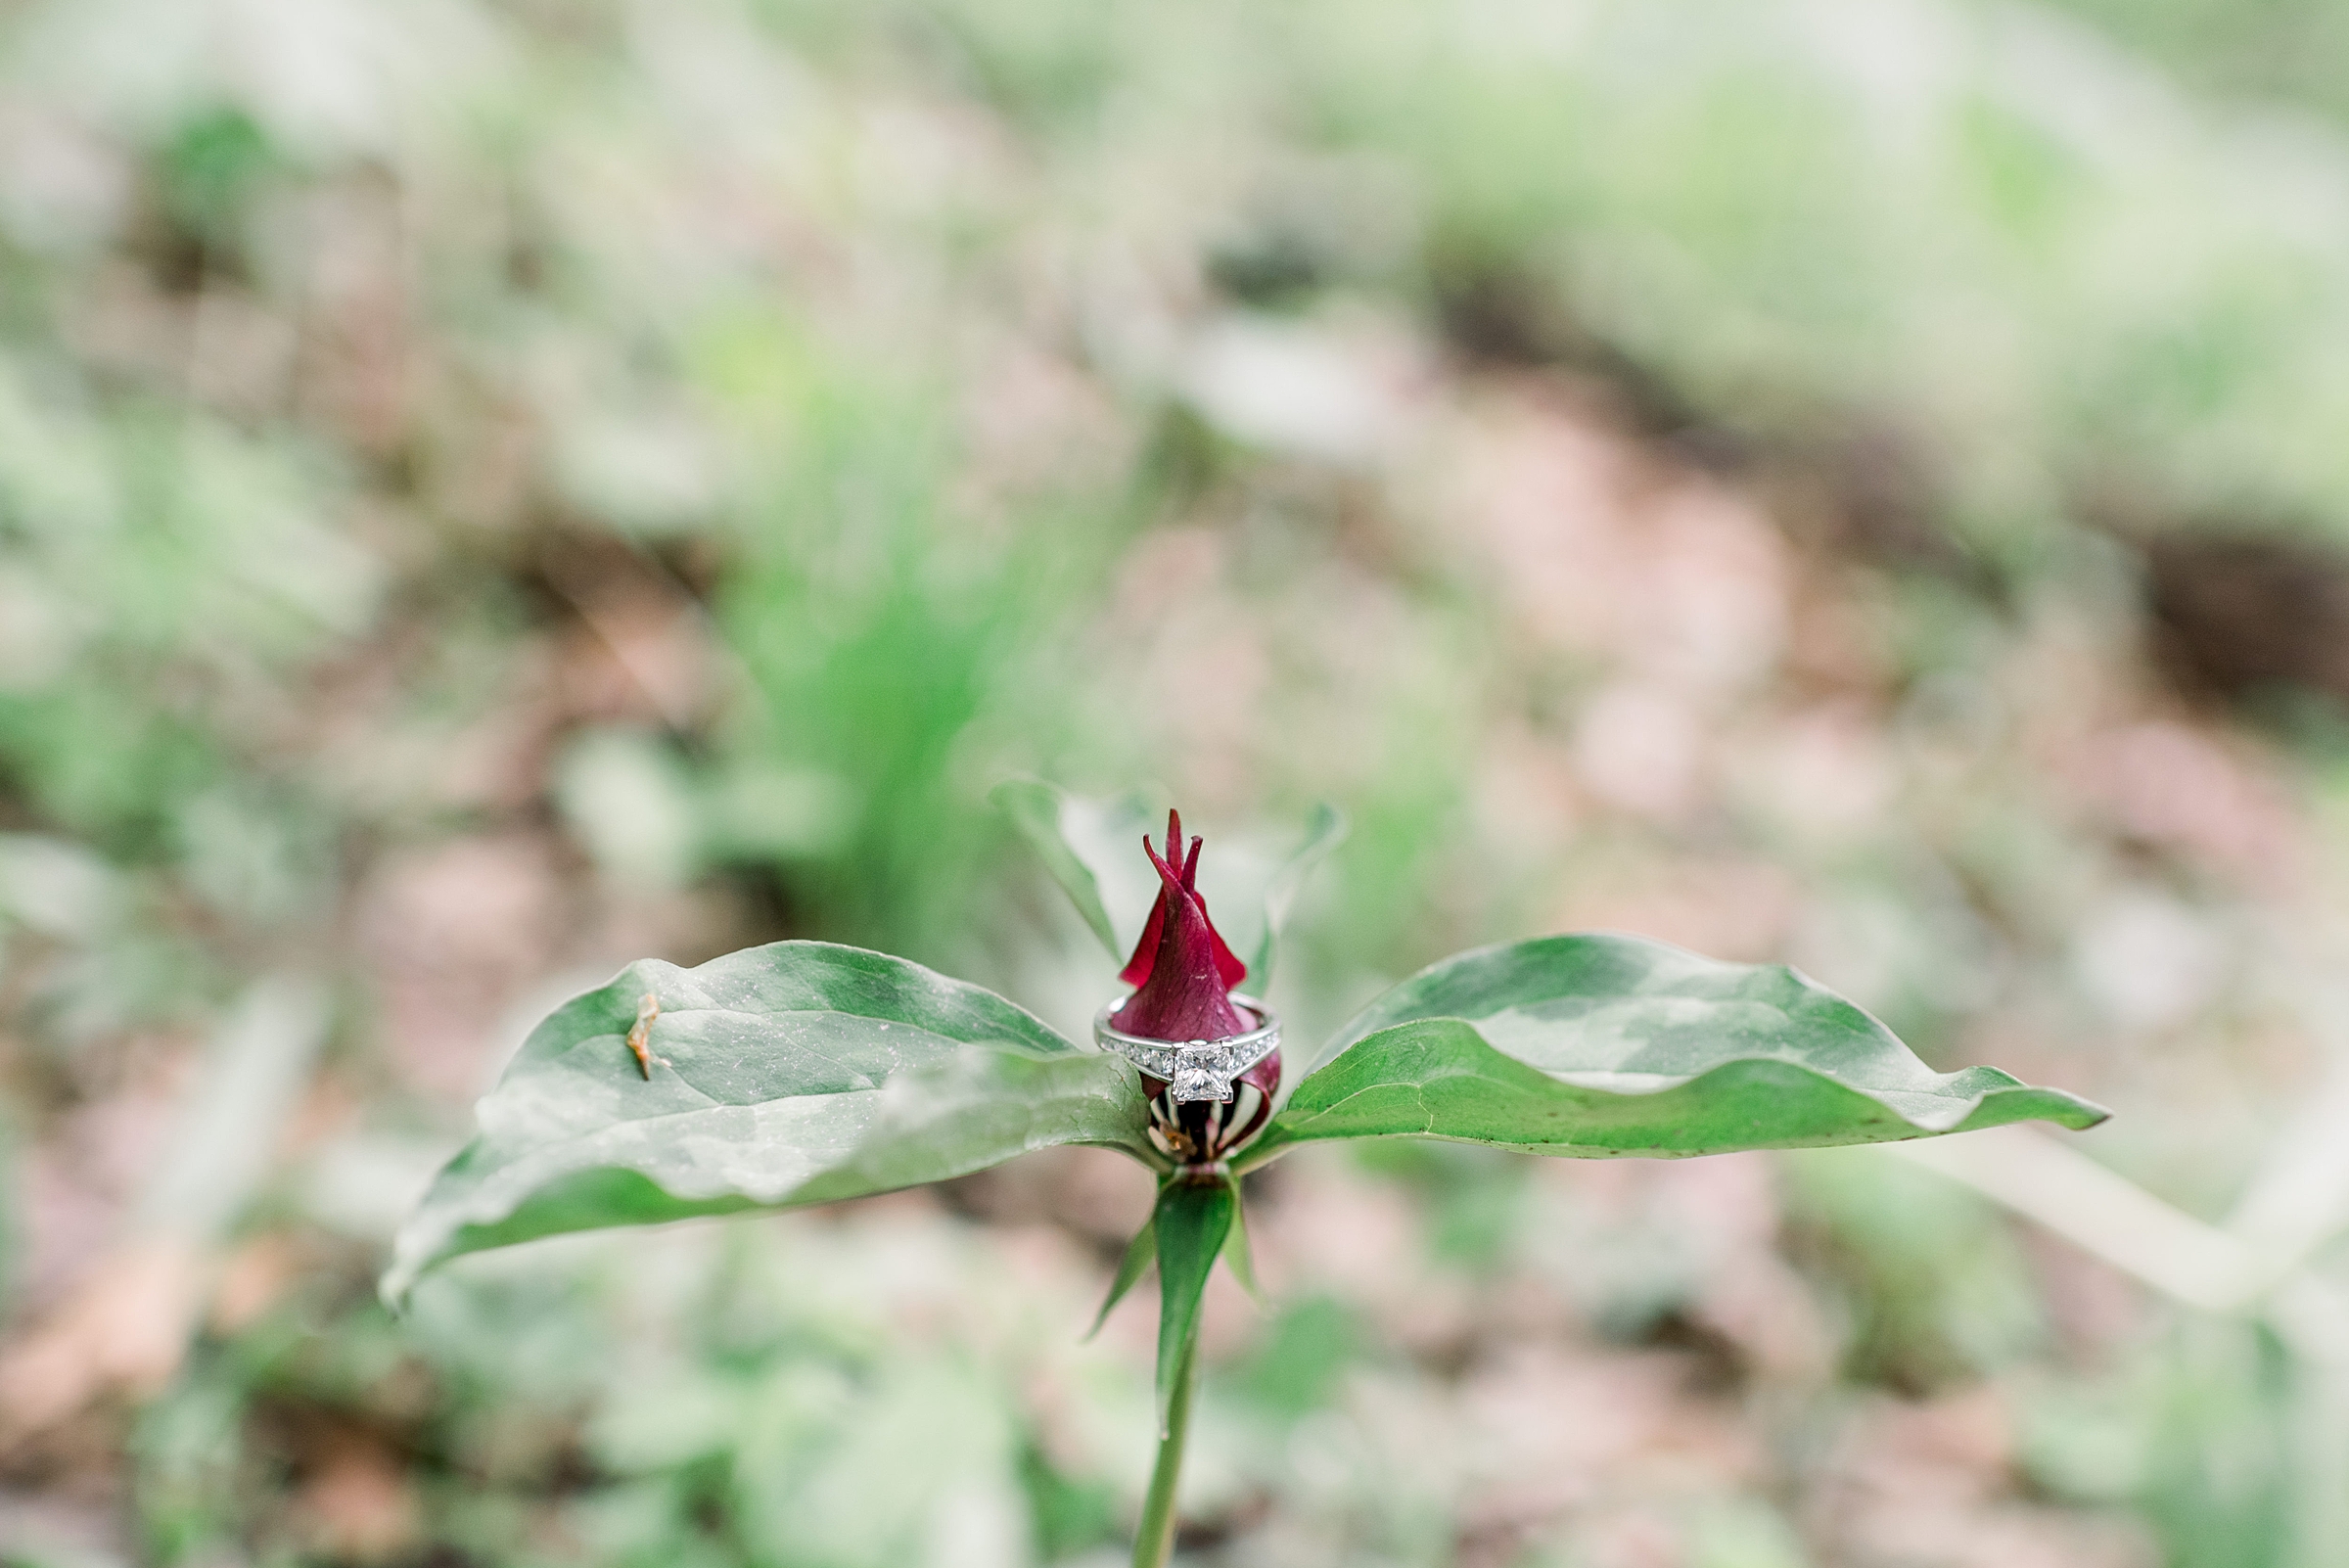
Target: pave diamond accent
{"type": "Point", "coordinates": [1193, 1069]}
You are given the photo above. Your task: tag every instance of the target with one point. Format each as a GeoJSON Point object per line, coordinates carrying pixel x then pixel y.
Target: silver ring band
{"type": "Point", "coordinates": [1192, 1068]}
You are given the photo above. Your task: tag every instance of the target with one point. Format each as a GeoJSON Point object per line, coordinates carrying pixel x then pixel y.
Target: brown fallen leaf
{"type": "Point", "coordinates": [122, 1330]}
{"type": "Point", "coordinates": [252, 1278]}
{"type": "Point", "coordinates": [358, 1505]}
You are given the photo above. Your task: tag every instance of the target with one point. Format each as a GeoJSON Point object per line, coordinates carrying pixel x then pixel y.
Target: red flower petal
{"type": "Point", "coordinates": [1182, 969]}
{"type": "Point", "coordinates": [1136, 973]}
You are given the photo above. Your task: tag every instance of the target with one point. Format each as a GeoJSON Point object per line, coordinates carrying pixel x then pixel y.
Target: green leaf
{"type": "Point", "coordinates": [1325, 831]}
{"type": "Point", "coordinates": [775, 1076]}
{"type": "Point", "coordinates": [1094, 849]}
{"type": "Point", "coordinates": [1139, 1252]}
{"type": "Point", "coordinates": [1237, 1257]}
{"type": "Point", "coordinates": [1192, 1221]}
{"type": "Point", "coordinates": [1048, 818]}
{"type": "Point", "coordinates": [1617, 1045]}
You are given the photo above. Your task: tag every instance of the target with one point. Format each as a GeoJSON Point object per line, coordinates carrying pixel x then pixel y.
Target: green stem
{"type": "Point", "coordinates": [1155, 1540]}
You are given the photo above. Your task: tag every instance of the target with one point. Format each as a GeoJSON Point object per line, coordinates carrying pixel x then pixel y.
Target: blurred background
{"type": "Point", "coordinates": [494, 488]}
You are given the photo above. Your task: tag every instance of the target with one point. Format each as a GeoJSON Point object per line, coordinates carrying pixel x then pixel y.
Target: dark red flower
{"type": "Point", "coordinates": [1184, 972]}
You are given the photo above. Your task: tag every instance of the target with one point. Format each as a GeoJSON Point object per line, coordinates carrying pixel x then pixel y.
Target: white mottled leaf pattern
{"type": "Point", "coordinates": [1606, 1044]}
{"type": "Point", "coordinates": [786, 1075]}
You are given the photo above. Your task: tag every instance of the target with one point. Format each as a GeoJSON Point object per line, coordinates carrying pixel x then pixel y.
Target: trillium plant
{"type": "Point", "coordinates": [803, 1073]}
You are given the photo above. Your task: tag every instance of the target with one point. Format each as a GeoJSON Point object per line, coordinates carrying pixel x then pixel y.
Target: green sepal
{"type": "Point", "coordinates": [1094, 849]}
{"type": "Point", "coordinates": [1130, 1269]}
{"type": "Point", "coordinates": [1237, 1257]}
{"type": "Point", "coordinates": [1325, 828]}
{"type": "Point", "coordinates": [1048, 818]}
{"type": "Point", "coordinates": [1193, 1220]}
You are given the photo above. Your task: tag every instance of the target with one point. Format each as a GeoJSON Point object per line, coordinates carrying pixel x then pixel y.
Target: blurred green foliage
{"type": "Point", "coordinates": [362, 364]}
{"type": "Point", "coordinates": [1935, 1291]}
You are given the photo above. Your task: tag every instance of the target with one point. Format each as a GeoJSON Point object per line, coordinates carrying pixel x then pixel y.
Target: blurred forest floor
{"type": "Point", "coordinates": [491, 491]}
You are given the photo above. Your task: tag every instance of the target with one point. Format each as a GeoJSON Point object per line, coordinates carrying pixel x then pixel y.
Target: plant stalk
{"type": "Point", "coordinates": [1154, 1541]}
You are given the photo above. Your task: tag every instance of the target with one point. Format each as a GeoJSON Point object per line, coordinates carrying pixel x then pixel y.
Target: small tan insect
{"type": "Point", "coordinates": [641, 1038]}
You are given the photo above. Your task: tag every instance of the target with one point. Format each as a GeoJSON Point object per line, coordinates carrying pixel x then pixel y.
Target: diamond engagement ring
{"type": "Point", "coordinates": [1193, 1069]}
